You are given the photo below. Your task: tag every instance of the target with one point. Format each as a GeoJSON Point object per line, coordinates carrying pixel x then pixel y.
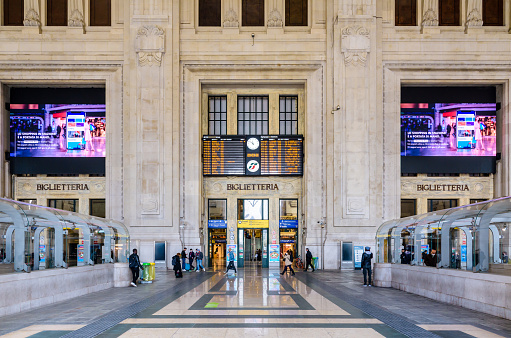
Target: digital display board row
{"type": "Point", "coordinates": [252, 155]}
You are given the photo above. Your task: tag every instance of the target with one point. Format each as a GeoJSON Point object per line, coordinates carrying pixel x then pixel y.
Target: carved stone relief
{"type": "Point", "coordinates": [275, 20]}
{"type": "Point", "coordinates": [32, 10]}
{"type": "Point", "coordinates": [355, 45]}
{"type": "Point", "coordinates": [231, 19]}
{"type": "Point", "coordinates": [150, 45]}
{"type": "Point", "coordinates": [356, 206]}
{"type": "Point", "coordinates": [76, 19]}
{"type": "Point", "coordinates": [430, 15]}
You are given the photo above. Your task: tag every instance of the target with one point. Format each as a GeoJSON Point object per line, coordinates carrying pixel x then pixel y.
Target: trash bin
{"type": "Point", "coordinates": [145, 272]}
{"type": "Point", "coordinates": [315, 262]}
{"type": "Point", "coordinates": [152, 271]}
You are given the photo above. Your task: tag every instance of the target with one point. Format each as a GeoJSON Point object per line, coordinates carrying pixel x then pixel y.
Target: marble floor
{"type": "Point", "coordinates": [255, 302]}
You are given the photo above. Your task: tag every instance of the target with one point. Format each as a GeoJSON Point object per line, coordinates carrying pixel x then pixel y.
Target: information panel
{"type": "Point", "coordinates": [281, 155]}
{"type": "Point", "coordinates": [252, 155]}
{"type": "Point", "coordinates": [223, 155]}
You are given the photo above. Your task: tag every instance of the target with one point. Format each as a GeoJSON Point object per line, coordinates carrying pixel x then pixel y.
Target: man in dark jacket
{"type": "Point", "coordinates": [134, 264]}
{"type": "Point", "coordinates": [176, 261]}
{"type": "Point", "coordinates": [308, 260]}
{"type": "Point", "coordinates": [366, 265]}
{"type": "Point", "coordinates": [191, 257]}
{"type": "Point", "coordinates": [183, 259]}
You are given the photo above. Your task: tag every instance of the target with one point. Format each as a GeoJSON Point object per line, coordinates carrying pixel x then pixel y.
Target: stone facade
{"type": "Point", "coordinates": [348, 64]}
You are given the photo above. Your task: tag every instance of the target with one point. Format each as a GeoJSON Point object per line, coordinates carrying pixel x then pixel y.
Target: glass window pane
{"type": "Point", "coordinates": [240, 105]}
{"type": "Point", "coordinates": [217, 127]}
{"type": "Point", "coordinates": [282, 105]}
{"type": "Point", "coordinates": [159, 251]}
{"type": "Point", "coordinates": [282, 127]}
{"type": "Point", "coordinates": [288, 127]}
{"type": "Point", "coordinates": [294, 106]}
{"type": "Point", "coordinates": [295, 128]}
{"type": "Point", "coordinates": [217, 209]}
{"type": "Point", "coordinates": [223, 105]}
{"type": "Point", "coordinates": [347, 252]}
{"type": "Point", "coordinates": [217, 105]}
{"type": "Point", "coordinates": [224, 127]}
{"type": "Point", "coordinates": [247, 128]}
{"type": "Point", "coordinates": [259, 116]}
{"type": "Point", "coordinates": [265, 116]}
{"type": "Point", "coordinates": [211, 105]}
{"type": "Point", "coordinates": [294, 116]}
{"type": "Point", "coordinates": [265, 129]}
{"type": "Point", "coordinates": [288, 116]}
{"type": "Point", "coordinates": [217, 116]}
{"type": "Point", "coordinates": [265, 209]}
{"type": "Point", "coordinates": [212, 127]}
{"type": "Point", "coordinates": [252, 126]}
{"type": "Point", "coordinates": [265, 104]}
{"type": "Point", "coordinates": [247, 105]}
{"type": "Point", "coordinates": [240, 127]}
{"type": "Point", "coordinates": [224, 116]}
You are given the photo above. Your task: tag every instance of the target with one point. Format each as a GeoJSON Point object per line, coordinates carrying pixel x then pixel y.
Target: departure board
{"type": "Point", "coordinates": [223, 155]}
{"type": "Point", "coordinates": [281, 155]}
{"type": "Point", "coordinates": [252, 155]}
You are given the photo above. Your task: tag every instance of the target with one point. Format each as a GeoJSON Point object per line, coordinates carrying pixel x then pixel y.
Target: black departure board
{"type": "Point", "coordinates": [281, 155]}
{"type": "Point", "coordinates": [223, 155]}
{"type": "Point", "coordinates": [252, 155]}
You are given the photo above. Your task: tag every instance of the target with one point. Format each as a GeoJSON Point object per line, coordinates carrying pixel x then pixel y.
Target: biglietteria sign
{"type": "Point", "coordinates": [62, 187]}
{"type": "Point", "coordinates": [442, 187]}
{"type": "Point", "coordinates": [236, 186]}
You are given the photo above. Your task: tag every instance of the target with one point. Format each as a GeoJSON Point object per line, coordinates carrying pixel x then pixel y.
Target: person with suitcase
{"type": "Point", "coordinates": [176, 261]}
{"type": "Point", "coordinates": [198, 257]}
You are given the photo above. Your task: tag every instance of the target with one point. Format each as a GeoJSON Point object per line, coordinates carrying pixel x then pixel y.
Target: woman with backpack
{"type": "Point", "coordinates": [288, 262]}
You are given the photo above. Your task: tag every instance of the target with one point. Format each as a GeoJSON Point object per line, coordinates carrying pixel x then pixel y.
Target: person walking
{"type": "Point", "coordinates": [308, 260]}
{"type": "Point", "coordinates": [198, 257]}
{"type": "Point", "coordinates": [183, 259]}
{"type": "Point", "coordinates": [191, 257]}
{"type": "Point", "coordinates": [288, 262]}
{"type": "Point", "coordinates": [135, 266]}
{"type": "Point", "coordinates": [176, 261]}
{"type": "Point", "coordinates": [366, 265]}
{"type": "Point", "coordinates": [231, 262]}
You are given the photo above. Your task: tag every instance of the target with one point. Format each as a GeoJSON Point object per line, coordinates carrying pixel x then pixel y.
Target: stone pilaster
{"type": "Point", "coordinates": [32, 17]}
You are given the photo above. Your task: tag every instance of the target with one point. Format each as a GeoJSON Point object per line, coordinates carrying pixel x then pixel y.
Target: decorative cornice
{"type": "Point", "coordinates": [32, 18]}
{"type": "Point", "coordinates": [430, 18]}
{"type": "Point", "coordinates": [474, 18]}
{"type": "Point", "coordinates": [150, 45]}
{"type": "Point", "coordinates": [76, 19]}
{"type": "Point", "coordinates": [231, 19]}
{"type": "Point", "coordinates": [355, 45]}
{"type": "Point", "coordinates": [275, 20]}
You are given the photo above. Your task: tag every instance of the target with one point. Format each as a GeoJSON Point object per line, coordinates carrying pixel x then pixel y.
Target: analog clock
{"type": "Point", "coordinates": [252, 143]}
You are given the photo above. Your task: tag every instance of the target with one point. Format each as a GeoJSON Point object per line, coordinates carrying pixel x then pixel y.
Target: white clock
{"type": "Point", "coordinates": [252, 143]}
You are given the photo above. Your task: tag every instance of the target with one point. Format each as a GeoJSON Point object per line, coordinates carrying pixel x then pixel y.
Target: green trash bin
{"type": "Point", "coordinates": [145, 272]}
{"type": "Point", "coordinates": [315, 262]}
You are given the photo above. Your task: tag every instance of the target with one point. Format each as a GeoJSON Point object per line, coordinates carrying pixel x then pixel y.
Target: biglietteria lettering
{"type": "Point", "coordinates": [442, 187]}
{"type": "Point", "coordinates": [62, 187]}
{"type": "Point", "coordinates": [232, 186]}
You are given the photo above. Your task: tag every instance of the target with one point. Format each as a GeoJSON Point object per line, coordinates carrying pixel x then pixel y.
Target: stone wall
{"type": "Point", "coordinates": [488, 293]}
{"type": "Point", "coordinates": [24, 291]}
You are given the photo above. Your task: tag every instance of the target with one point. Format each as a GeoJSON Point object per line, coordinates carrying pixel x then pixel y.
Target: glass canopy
{"type": "Point", "coordinates": [33, 237]}
{"type": "Point", "coordinates": [472, 237]}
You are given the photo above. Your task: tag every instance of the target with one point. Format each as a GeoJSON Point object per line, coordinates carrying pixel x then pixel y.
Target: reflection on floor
{"type": "Point", "coordinates": [256, 302]}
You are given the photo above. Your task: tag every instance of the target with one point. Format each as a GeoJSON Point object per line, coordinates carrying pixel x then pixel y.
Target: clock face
{"type": "Point", "coordinates": [252, 143]}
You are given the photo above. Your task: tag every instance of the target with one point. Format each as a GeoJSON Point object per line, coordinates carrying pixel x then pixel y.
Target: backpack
{"type": "Point", "coordinates": [174, 260]}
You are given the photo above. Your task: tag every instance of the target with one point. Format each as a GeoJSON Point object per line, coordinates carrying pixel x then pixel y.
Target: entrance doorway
{"type": "Point", "coordinates": [253, 247]}
{"type": "Point", "coordinates": [217, 248]}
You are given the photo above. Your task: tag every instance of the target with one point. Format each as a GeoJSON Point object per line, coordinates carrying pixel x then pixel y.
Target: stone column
{"type": "Point", "coordinates": [474, 19]}
{"type": "Point", "coordinates": [32, 16]}
{"type": "Point", "coordinates": [76, 15]}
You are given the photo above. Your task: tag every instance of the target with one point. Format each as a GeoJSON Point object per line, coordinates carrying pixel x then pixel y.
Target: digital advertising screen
{"type": "Point", "coordinates": [448, 129]}
{"type": "Point", "coordinates": [57, 130]}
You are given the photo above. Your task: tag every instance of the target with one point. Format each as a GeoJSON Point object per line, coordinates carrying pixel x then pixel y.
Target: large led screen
{"type": "Point", "coordinates": [448, 129]}
{"type": "Point", "coordinates": [57, 130]}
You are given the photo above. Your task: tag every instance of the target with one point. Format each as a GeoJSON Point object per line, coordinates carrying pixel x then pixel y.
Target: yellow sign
{"type": "Point", "coordinates": [253, 223]}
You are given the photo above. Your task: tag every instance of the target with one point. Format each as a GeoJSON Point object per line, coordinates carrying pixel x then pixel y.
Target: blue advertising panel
{"type": "Point", "coordinates": [217, 224]}
{"type": "Point", "coordinates": [288, 223]}
{"type": "Point", "coordinates": [463, 253]}
{"type": "Point", "coordinates": [358, 250]}
{"type": "Point", "coordinates": [287, 241]}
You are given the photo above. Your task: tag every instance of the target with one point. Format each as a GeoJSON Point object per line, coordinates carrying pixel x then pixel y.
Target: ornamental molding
{"type": "Point", "coordinates": [32, 18]}
{"type": "Point", "coordinates": [150, 45]}
{"type": "Point", "coordinates": [76, 19]}
{"type": "Point", "coordinates": [474, 18]}
{"type": "Point", "coordinates": [231, 19]}
{"type": "Point", "coordinates": [275, 20]}
{"type": "Point", "coordinates": [355, 45]}
{"type": "Point", "coordinates": [430, 18]}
